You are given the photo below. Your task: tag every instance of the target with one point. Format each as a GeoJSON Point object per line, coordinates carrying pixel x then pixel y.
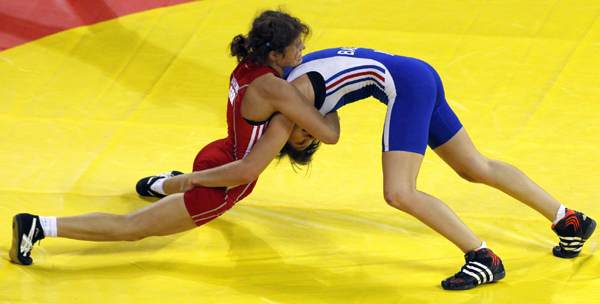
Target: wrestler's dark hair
{"type": "Point", "coordinates": [299, 157]}
{"type": "Point", "coordinates": [271, 31]}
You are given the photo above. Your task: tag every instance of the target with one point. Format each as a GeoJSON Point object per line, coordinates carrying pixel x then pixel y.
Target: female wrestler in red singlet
{"type": "Point", "coordinates": [256, 95]}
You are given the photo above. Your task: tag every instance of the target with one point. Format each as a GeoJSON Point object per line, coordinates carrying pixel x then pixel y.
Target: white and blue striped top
{"type": "Point", "coordinates": [350, 74]}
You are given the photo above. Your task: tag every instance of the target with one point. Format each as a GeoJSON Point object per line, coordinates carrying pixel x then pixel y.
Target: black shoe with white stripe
{"type": "Point", "coordinates": [572, 230]}
{"type": "Point", "coordinates": [482, 266]}
{"type": "Point", "coordinates": [143, 186]}
{"type": "Point", "coordinates": [27, 230]}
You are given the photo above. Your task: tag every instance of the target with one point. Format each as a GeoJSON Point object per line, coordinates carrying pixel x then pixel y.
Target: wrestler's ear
{"type": "Point", "coordinates": [275, 56]}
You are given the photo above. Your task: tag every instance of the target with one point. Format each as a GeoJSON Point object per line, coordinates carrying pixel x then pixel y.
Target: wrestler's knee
{"type": "Point", "coordinates": [134, 229]}
{"type": "Point", "coordinates": [400, 198]}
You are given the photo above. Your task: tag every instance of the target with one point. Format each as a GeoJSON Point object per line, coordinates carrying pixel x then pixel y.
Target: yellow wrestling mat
{"type": "Point", "coordinates": [88, 112]}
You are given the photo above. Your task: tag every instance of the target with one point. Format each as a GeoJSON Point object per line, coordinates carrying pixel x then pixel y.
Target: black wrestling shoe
{"type": "Point", "coordinates": [482, 266]}
{"type": "Point", "coordinates": [143, 186]}
{"type": "Point", "coordinates": [27, 230]}
{"type": "Point", "coordinates": [572, 230]}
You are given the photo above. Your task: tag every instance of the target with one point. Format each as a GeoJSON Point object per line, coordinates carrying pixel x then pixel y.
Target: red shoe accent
{"type": "Point", "coordinates": [573, 221]}
{"type": "Point", "coordinates": [569, 212]}
{"type": "Point", "coordinates": [495, 259]}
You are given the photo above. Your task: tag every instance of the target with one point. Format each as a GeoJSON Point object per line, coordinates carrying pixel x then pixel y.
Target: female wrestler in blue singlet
{"type": "Point", "coordinates": [418, 115]}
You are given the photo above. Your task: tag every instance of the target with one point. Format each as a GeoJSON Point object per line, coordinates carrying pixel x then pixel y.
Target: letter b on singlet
{"type": "Point", "coordinates": [347, 51]}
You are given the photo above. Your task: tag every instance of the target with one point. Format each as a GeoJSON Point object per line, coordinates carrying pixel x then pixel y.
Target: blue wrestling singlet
{"type": "Point", "coordinates": [418, 114]}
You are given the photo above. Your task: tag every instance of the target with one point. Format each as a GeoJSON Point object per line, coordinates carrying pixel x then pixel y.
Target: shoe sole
{"type": "Point", "coordinates": [588, 233]}
{"type": "Point", "coordinates": [497, 277]}
{"type": "Point", "coordinates": [590, 230]}
{"type": "Point", "coordinates": [14, 256]}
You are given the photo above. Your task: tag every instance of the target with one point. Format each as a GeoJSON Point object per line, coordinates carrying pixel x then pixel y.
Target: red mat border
{"type": "Point", "coordinates": [25, 21]}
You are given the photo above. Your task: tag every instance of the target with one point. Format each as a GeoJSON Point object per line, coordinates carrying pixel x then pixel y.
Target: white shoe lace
{"type": "Point", "coordinates": [27, 241]}
{"type": "Point", "coordinates": [166, 174]}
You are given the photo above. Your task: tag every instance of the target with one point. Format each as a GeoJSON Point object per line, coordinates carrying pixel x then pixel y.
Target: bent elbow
{"type": "Point", "coordinates": [331, 140]}
{"type": "Point", "coordinates": [335, 140]}
{"type": "Point", "coordinates": [247, 176]}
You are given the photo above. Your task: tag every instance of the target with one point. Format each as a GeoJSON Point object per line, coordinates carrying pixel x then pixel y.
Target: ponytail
{"type": "Point", "coordinates": [239, 48]}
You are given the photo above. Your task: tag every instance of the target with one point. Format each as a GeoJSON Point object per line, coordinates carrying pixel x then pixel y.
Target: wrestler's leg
{"type": "Point", "coordinates": [400, 170]}
{"type": "Point", "coordinates": [167, 216]}
{"type": "Point", "coordinates": [460, 154]}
